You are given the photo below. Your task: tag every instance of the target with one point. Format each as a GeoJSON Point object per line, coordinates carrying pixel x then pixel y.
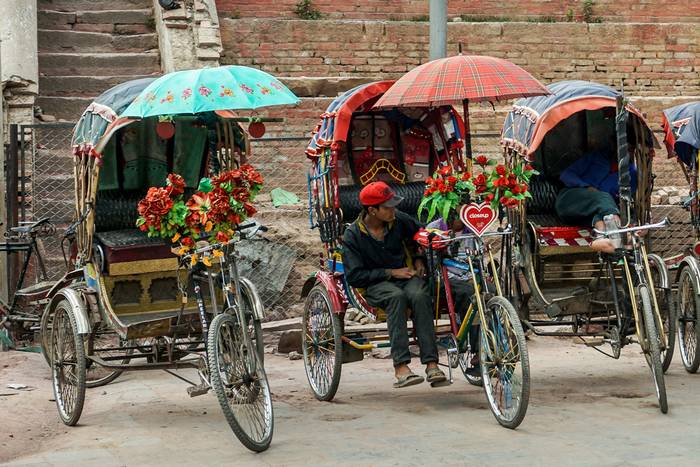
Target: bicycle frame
{"type": "Point", "coordinates": [642, 272]}
{"type": "Point", "coordinates": [477, 253]}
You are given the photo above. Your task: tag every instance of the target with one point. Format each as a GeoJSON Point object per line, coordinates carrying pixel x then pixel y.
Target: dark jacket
{"type": "Point", "coordinates": [366, 260]}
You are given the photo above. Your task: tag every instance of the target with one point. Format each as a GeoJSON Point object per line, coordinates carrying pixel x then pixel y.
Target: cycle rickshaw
{"type": "Point", "coordinates": [133, 304]}
{"type": "Point", "coordinates": [556, 277]}
{"type": "Point", "coordinates": [681, 125]}
{"type": "Point", "coordinates": [354, 145]}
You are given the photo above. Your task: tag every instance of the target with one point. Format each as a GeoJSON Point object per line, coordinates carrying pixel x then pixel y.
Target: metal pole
{"type": "Point", "coordinates": [438, 29]}
{"type": "Point", "coordinates": [3, 218]}
{"type": "Point", "coordinates": [12, 211]}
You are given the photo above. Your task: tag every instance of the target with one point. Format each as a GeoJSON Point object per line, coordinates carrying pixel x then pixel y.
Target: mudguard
{"type": "Point", "coordinates": [75, 298]}
{"type": "Point", "coordinates": [329, 283]}
{"type": "Point", "coordinates": [248, 288]}
{"type": "Point", "coordinates": [692, 263]}
{"type": "Point", "coordinates": [665, 280]}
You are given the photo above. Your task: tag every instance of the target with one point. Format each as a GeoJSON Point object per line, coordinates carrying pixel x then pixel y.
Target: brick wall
{"type": "Point", "coordinates": [653, 59]}
{"type": "Point", "coordinates": [605, 10]}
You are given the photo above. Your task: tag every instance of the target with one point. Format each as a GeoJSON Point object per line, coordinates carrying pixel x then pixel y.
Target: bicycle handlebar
{"type": "Point", "coordinates": [658, 225]}
{"type": "Point", "coordinates": [443, 239]}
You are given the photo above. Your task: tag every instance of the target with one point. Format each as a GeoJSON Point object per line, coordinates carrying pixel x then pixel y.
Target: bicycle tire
{"type": "Point", "coordinates": [653, 353]}
{"type": "Point", "coordinates": [499, 326]}
{"type": "Point", "coordinates": [225, 331]}
{"type": "Point", "coordinates": [67, 374]}
{"type": "Point", "coordinates": [687, 304]}
{"type": "Point", "coordinates": [664, 299]}
{"type": "Point", "coordinates": [316, 322]}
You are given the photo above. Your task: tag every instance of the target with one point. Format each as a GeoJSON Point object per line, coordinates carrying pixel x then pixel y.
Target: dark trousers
{"type": "Point", "coordinates": [395, 297]}
{"type": "Point", "coordinates": [581, 206]}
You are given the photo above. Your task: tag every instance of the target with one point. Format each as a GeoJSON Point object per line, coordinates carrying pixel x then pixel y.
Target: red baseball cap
{"type": "Point", "coordinates": [377, 193]}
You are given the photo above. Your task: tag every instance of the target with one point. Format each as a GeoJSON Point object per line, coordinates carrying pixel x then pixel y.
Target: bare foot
{"type": "Point", "coordinates": [402, 370]}
{"type": "Point", "coordinates": [603, 245]}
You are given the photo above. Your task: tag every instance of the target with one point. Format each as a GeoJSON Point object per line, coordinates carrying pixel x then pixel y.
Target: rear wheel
{"type": "Point", "coordinates": [240, 383]}
{"type": "Point", "coordinates": [322, 344]}
{"type": "Point", "coordinates": [666, 310]}
{"type": "Point", "coordinates": [687, 308]}
{"type": "Point", "coordinates": [67, 364]}
{"type": "Point", "coordinates": [505, 367]}
{"type": "Point", "coordinates": [653, 350]}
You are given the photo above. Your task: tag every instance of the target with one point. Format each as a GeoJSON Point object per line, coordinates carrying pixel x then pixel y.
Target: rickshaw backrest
{"type": "Point", "coordinates": [350, 202]}
{"type": "Point", "coordinates": [544, 196]}
{"type": "Point", "coordinates": [116, 209]}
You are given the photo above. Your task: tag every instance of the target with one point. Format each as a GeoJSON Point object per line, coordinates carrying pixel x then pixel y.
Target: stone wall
{"type": "Point", "coordinates": [524, 10]}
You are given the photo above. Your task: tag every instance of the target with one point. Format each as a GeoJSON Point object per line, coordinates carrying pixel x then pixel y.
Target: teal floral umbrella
{"type": "Point", "coordinates": [229, 87]}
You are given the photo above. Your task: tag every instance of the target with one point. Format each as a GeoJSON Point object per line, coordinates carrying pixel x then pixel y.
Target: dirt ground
{"type": "Point", "coordinates": [585, 409]}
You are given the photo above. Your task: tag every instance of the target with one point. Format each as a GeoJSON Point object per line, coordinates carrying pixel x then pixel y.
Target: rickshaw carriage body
{"type": "Point", "coordinates": [354, 145]}
{"type": "Point", "coordinates": [681, 125]}
{"type": "Point", "coordinates": [125, 281]}
{"type": "Point", "coordinates": [552, 132]}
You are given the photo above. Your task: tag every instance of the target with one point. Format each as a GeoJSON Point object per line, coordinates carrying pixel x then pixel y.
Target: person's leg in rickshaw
{"type": "Point", "coordinates": [589, 206]}
{"type": "Point", "coordinates": [395, 297]}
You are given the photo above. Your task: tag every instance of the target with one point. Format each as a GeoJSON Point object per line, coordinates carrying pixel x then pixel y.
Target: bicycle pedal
{"type": "Point", "coordinates": [198, 390]}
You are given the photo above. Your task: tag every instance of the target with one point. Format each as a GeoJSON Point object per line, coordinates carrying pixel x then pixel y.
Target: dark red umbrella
{"type": "Point", "coordinates": [462, 78]}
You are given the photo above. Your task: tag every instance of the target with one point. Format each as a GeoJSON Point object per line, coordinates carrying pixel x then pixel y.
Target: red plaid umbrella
{"type": "Point", "coordinates": [462, 78]}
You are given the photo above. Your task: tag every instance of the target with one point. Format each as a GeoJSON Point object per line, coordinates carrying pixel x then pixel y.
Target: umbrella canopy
{"type": "Point", "coordinates": [451, 80]}
{"type": "Point", "coordinates": [229, 87]}
{"type": "Point", "coordinates": [104, 110]}
{"type": "Point", "coordinates": [462, 78]}
{"type": "Point", "coordinates": [681, 126]}
{"type": "Point", "coordinates": [531, 119]}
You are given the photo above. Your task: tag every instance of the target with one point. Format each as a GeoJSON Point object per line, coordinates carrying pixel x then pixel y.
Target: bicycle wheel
{"type": "Point", "coordinates": [322, 344]}
{"type": "Point", "coordinates": [106, 343]}
{"type": "Point", "coordinates": [505, 367]}
{"type": "Point", "coordinates": [67, 364]}
{"type": "Point", "coordinates": [687, 305]}
{"type": "Point", "coordinates": [239, 381]}
{"type": "Point", "coordinates": [664, 300]}
{"type": "Point", "coordinates": [653, 351]}
{"type": "Point", "coordinates": [45, 331]}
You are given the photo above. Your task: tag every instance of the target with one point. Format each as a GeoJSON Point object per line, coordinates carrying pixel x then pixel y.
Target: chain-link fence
{"type": "Point", "coordinates": [46, 185]}
{"type": "Point", "coordinates": [283, 258]}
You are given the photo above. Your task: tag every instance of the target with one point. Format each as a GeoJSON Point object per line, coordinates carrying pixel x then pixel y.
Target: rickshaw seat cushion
{"type": "Point", "coordinates": [124, 246]}
{"type": "Point", "coordinates": [349, 195]}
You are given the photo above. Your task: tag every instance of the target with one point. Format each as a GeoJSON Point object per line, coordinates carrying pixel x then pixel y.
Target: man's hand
{"type": "Point", "coordinates": [420, 267]}
{"type": "Point", "coordinates": [403, 273]}
{"type": "Point", "coordinates": [591, 188]}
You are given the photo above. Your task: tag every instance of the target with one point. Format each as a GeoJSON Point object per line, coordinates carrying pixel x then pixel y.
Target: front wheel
{"type": "Point", "coordinates": [322, 344]}
{"type": "Point", "coordinates": [687, 308]}
{"type": "Point", "coordinates": [240, 383]}
{"type": "Point", "coordinates": [653, 350]}
{"type": "Point", "coordinates": [505, 367]}
{"type": "Point", "coordinates": [67, 361]}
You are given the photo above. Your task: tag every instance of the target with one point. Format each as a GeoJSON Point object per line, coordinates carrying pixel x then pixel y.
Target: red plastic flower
{"type": "Point", "coordinates": [501, 169]}
{"type": "Point", "coordinates": [451, 180]}
{"type": "Point", "coordinates": [445, 171]}
{"type": "Point", "coordinates": [176, 185]}
{"type": "Point", "coordinates": [480, 180]}
{"type": "Point", "coordinates": [482, 160]}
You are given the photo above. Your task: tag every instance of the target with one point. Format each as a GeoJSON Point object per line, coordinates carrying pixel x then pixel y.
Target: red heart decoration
{"type": "Point", "coordinates": [477, 217]}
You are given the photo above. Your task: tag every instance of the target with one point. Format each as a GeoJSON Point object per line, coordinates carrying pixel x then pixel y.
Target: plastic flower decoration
{"type": "Point", "coordinates": [496, 184]}
{"type": "Point", "coordinates": [211, 213]}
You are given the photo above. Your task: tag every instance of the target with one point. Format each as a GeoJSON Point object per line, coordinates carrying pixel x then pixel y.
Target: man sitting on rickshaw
{"type": "Point", "coordinates": [590, 194]}
{"type": "Point", "coordinates": [380, 255]}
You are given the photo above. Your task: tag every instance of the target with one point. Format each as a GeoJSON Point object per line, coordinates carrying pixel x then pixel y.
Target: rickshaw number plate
{"type": "Point", "coordinates": [478, 217]}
